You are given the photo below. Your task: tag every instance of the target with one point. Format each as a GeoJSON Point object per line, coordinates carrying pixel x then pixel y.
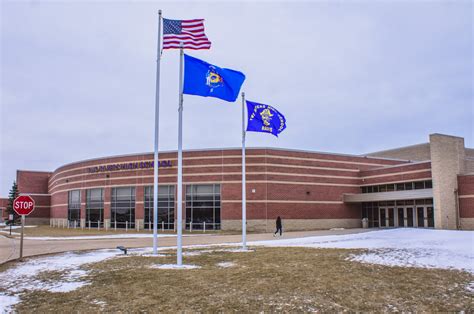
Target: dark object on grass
{"type": "Point", "coordinates": [123, 249]}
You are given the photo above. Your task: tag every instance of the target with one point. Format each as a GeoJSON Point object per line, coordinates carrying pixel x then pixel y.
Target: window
{"type": "Point", "coordinates": [165, 207]}
{"type": "Point", "coordinates": [74, 206]}
{"type": "Point", "coordinates": [94, 207]}
{"type": "Point", "coordinates": [400, 187]}
{"type": "Point", "coordinates": [419, 202]}
{"type": "Point", "coordinates": [122, 207]}
{"type": "Point", "coordinates": [419, 185]}
{"type": "Point", "coordinates": [403, 186]}
{"type": "Point", "coordinates": [203, 206]}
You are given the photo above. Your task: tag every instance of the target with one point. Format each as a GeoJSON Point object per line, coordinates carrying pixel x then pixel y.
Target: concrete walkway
{"type": "Point", "coordinates": [9, 247]}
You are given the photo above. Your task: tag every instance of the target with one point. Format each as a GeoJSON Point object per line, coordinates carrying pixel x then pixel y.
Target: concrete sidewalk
{"type": "Point", "coordinates": [9, 247]}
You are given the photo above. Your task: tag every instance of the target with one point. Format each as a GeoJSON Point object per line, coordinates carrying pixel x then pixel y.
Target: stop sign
{"type": "Point", "coordinates": [23, 205]}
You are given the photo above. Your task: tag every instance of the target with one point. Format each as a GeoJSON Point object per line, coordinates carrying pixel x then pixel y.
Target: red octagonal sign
{"type": "Point", "coordinates": [23, 205]}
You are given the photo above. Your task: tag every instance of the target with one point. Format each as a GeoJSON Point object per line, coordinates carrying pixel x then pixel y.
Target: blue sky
{"type": "Point", "coordinates": [78, 78]}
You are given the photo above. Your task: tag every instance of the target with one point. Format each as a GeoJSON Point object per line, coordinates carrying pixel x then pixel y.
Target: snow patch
{"type": "Point", "coordinates": [238, 250]}
{"type": "Point", "coordinates": [6, 302]}
{"type": "Point", "coordinates": [26, 276]}
{"type": "Point", "coordinates": [406, 247]}
{"type": "Point", "coordinates": [470, 287]}
{"type": "Point", "coordinates": [102, 304]}
{"type": "Point", "coordinates": [226, 264]}
{"type": "Point", "coordinates": [174, 266]}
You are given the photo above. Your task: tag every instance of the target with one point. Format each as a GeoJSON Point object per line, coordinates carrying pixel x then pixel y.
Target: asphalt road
{"type": "Point", "coordinates": [9, 247]}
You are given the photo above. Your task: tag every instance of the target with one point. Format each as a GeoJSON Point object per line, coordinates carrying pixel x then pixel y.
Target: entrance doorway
{"type": "Point", "coordinates": [409, 216]}
{"type": "Point", "coordinates": [405, 213]}
{"type": "Point", "coordinates": [420, 216]}
{"type": "Point", "coordinates": [401, 217]}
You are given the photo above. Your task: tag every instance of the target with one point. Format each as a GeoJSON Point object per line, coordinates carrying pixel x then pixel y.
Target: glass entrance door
{"type": "Point", "coordinates": [383, 217]}
{"type": "Point", "coordinates": [420, 215]}
{"type": "Point", "coordinates": [391, 217]}
{"type": "Point", "coordinates": [401, 217]}
{"type": "Point", "coordinates": [409, 216]}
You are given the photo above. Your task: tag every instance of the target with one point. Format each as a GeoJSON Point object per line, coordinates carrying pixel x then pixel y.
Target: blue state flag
{"type": "Point", "coordinates": [264, 118]}
{"type": "Point", "coordinates": [204, 79]}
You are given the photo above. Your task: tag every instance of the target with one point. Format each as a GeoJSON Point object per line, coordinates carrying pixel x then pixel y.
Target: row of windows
{"type": "Point", "coordinates": [202, 206]}
{"type": "Point", "coordinates": [416, 185]}
{"type": "Point", "coordinates": [165, 207]}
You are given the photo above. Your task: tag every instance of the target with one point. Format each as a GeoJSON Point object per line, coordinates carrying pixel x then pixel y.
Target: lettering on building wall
{"type": "Point", "coordinates": [131, 166]}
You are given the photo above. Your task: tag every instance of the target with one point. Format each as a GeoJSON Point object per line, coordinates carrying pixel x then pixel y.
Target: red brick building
{"type": "Point", "coordinates": [425, 185]}
{"type": "Point", "coordinates": [3, 209]}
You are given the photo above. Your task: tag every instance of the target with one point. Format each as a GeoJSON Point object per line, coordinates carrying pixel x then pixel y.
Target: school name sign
{"type": "Point", "coordinates": [131, 166]}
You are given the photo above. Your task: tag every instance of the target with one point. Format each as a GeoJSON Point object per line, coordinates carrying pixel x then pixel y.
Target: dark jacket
{"type": "Point", "coordinates": [278, 222]}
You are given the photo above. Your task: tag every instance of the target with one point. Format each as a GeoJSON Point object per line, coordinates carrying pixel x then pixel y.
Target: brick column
{"type": "Point", "coordinates": [447, 161]}
{"type": "Point", "coordinates": [139, 207]}
{"type": "Point", "coordinates": [107, 199]}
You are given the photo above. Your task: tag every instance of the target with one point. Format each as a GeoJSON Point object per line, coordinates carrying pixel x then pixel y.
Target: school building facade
{"type": "Point", "coordinates": [429, 185]}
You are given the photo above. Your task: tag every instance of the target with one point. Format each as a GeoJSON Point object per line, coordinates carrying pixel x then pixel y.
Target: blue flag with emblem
{"type": "Point", "coordinates": [264, 118]}
{"type": "Point", "coordinates": [204, 79]}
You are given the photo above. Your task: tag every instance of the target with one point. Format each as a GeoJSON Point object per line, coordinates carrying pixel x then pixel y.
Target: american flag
{"type": "Point", "coordinates": [189, 32]}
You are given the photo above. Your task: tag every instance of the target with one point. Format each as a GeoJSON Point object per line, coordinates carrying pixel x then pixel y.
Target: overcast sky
{"type": "Point", "coordinates": [78, 78]}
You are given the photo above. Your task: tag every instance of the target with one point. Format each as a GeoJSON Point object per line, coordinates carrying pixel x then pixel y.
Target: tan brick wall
{"type": "Point", "coordinates": [467, 223]}
{"type": "Point", "coordinates": [447, 161]}
{"type": "Point", "coordinates": [469, 152]}
{"type": "Point", "coordinates": [262, 225]}
{"type": "Point", "coordinates": [415, 152]}
{"type": "Point", "coordinates": [469, 165]}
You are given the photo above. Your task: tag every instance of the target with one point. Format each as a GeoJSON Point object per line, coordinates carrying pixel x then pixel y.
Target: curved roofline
{"type": "Point", "coordinates": [234, 148]}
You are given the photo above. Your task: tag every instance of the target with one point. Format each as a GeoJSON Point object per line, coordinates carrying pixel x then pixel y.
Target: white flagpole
{"type": "Point", "coordinates": [179, 249]}
{"type": "Point", "coordinates": [244, 198]}
{"type": "Point", "coordinates": [157, 130]}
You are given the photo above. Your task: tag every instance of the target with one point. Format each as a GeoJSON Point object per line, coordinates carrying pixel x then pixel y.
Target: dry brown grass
{"type": "Point", "coordinates": [47, 231]}
{"type": "Point", "coordinates": [269, 279]}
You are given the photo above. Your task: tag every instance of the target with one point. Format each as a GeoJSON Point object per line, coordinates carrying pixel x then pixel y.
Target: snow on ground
{"type": "Point", "coordinates": [174, 266]}
{"type": "Point", "coordinates": [23, 277]}
{"type": "Point", "coordinates": [226, 264]}
{"type": "Point", "coordinates": [449, 249]}
{"type": "Point", "coordinates": [395, 247]}
{"type": "Point", "coordinates": [6, 302]}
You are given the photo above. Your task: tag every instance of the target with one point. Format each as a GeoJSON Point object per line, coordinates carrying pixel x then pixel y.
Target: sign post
{"type": "Point", "coordinates": [23, 205]}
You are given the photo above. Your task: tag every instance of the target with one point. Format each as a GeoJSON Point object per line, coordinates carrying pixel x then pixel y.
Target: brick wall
{"type": "Point", "coordinates": [35, 184]}
{"type": "Point", "coordinates": [3, 209]}
{"type": "Point", "coordinates": [466, 196]}
{"type": "Point", "coordinates": [296, 185]}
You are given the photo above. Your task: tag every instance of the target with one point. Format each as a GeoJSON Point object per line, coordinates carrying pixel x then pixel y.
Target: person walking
{"type": "Point", "coordinates": [278, 226]}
